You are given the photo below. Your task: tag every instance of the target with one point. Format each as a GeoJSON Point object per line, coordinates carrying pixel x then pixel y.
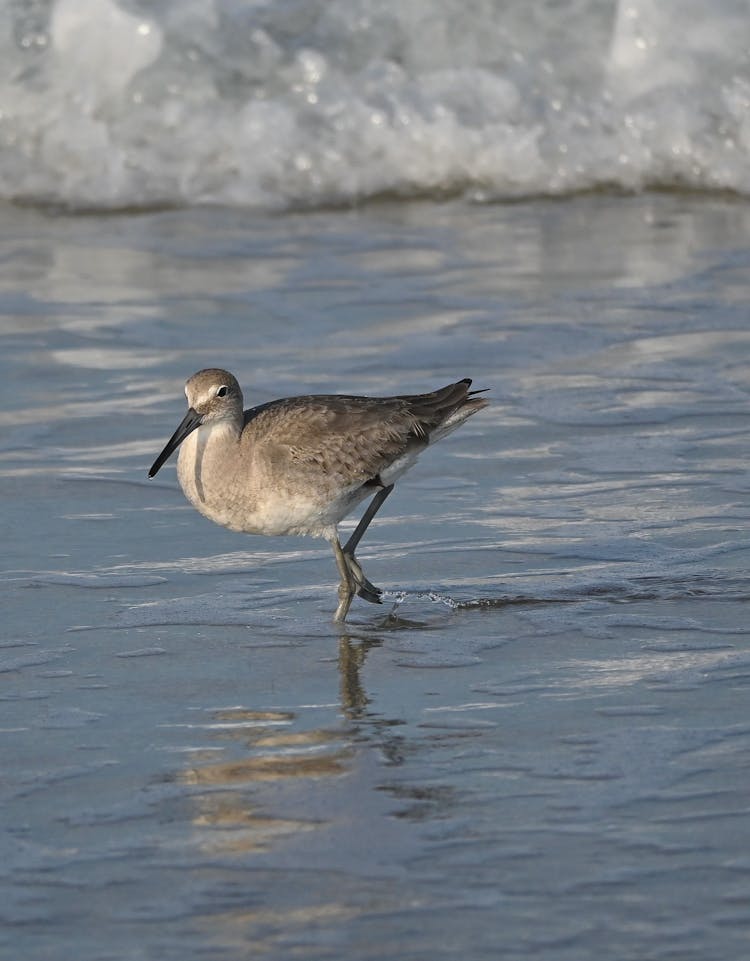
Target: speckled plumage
{"type": "Point", "coordinates": [300, 464]}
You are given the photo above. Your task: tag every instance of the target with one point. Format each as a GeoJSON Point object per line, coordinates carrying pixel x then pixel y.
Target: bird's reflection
{"type": "Point", "coordinates": [250, 748]}
{"type": "Point", "coordinates": [263, 782]}
{"type": "Point", "coordinates": [353, 652]}
{"type": "Point", "coordinates": [368, 725]}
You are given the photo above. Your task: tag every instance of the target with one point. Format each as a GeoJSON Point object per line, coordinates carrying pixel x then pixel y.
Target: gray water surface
{"type": "Point", "coordinates": [537, 747]}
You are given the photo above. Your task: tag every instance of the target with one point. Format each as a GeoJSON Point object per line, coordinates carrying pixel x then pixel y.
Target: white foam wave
{"type": "Point", "coordinates": [107, 105]}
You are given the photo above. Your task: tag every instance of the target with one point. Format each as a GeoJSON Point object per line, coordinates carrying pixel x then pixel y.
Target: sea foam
{"type": "Point", "coordinates": [283, 103]}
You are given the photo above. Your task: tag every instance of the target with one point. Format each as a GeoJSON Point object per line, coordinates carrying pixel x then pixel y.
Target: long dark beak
{"type": "Point", "coordinates": [189, 422]}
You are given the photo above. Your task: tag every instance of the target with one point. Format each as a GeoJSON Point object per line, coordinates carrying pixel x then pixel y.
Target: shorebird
{"type": "Point", "coordinates": [299, 465]}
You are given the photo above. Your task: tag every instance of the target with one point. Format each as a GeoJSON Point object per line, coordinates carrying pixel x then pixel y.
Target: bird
{"type": "Point", "coordinates": [299, 465]}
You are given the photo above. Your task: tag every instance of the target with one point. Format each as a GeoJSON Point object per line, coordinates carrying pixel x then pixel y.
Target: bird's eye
{"type": "Point", "coordinates": [222, 391]}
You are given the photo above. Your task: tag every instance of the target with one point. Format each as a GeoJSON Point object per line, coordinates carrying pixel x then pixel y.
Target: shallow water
{"type": "Point", "coordinates": [537, 748]}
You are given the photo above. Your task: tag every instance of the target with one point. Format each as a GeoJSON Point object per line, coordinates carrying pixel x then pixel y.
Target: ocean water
{"type": "Point", "coordinates": [302, 103]}
{"type": "Point", "coordinates": [537, 747]}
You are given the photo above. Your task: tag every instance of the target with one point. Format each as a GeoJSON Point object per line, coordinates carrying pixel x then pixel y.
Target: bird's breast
{"type": "Point", "coordinates": [209, 469]}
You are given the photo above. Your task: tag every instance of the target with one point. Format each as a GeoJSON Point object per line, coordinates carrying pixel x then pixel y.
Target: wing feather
{"type": "Point", "coordinates": [349, 438]}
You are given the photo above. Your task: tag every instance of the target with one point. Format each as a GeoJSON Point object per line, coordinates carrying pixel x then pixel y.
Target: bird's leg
{"type": "Point", "coordinates": [353, 579]}
{"type": "Point", "coordinates": [347, 586]}
{"type": "Point", "coordinates": [365, 589]}
{"type": "Point", "coordinates": [372, 508]}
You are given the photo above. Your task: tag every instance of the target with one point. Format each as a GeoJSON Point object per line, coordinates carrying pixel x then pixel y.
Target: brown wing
{"type": "Point", "coordinates": [350, 438]}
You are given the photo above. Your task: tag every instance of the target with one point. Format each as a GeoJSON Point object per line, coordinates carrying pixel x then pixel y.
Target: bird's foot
{"type": "Point", "coordinates": [360, 584]}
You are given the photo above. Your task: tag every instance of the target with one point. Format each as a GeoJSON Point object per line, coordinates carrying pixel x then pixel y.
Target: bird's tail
{"type": "Point", "coordinates": [443, 410]}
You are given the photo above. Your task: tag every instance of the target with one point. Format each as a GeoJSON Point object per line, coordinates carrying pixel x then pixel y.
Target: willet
{"type": "Point", "coordinates": [299, 465]}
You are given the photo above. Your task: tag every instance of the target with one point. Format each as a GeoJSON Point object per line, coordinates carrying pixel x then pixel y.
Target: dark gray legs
{"type": "Point", "coordinates": [353, 580]}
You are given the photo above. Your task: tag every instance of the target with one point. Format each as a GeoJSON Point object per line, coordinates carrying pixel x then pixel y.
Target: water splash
{"type": "Point", "coordinates": [275, 105]}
